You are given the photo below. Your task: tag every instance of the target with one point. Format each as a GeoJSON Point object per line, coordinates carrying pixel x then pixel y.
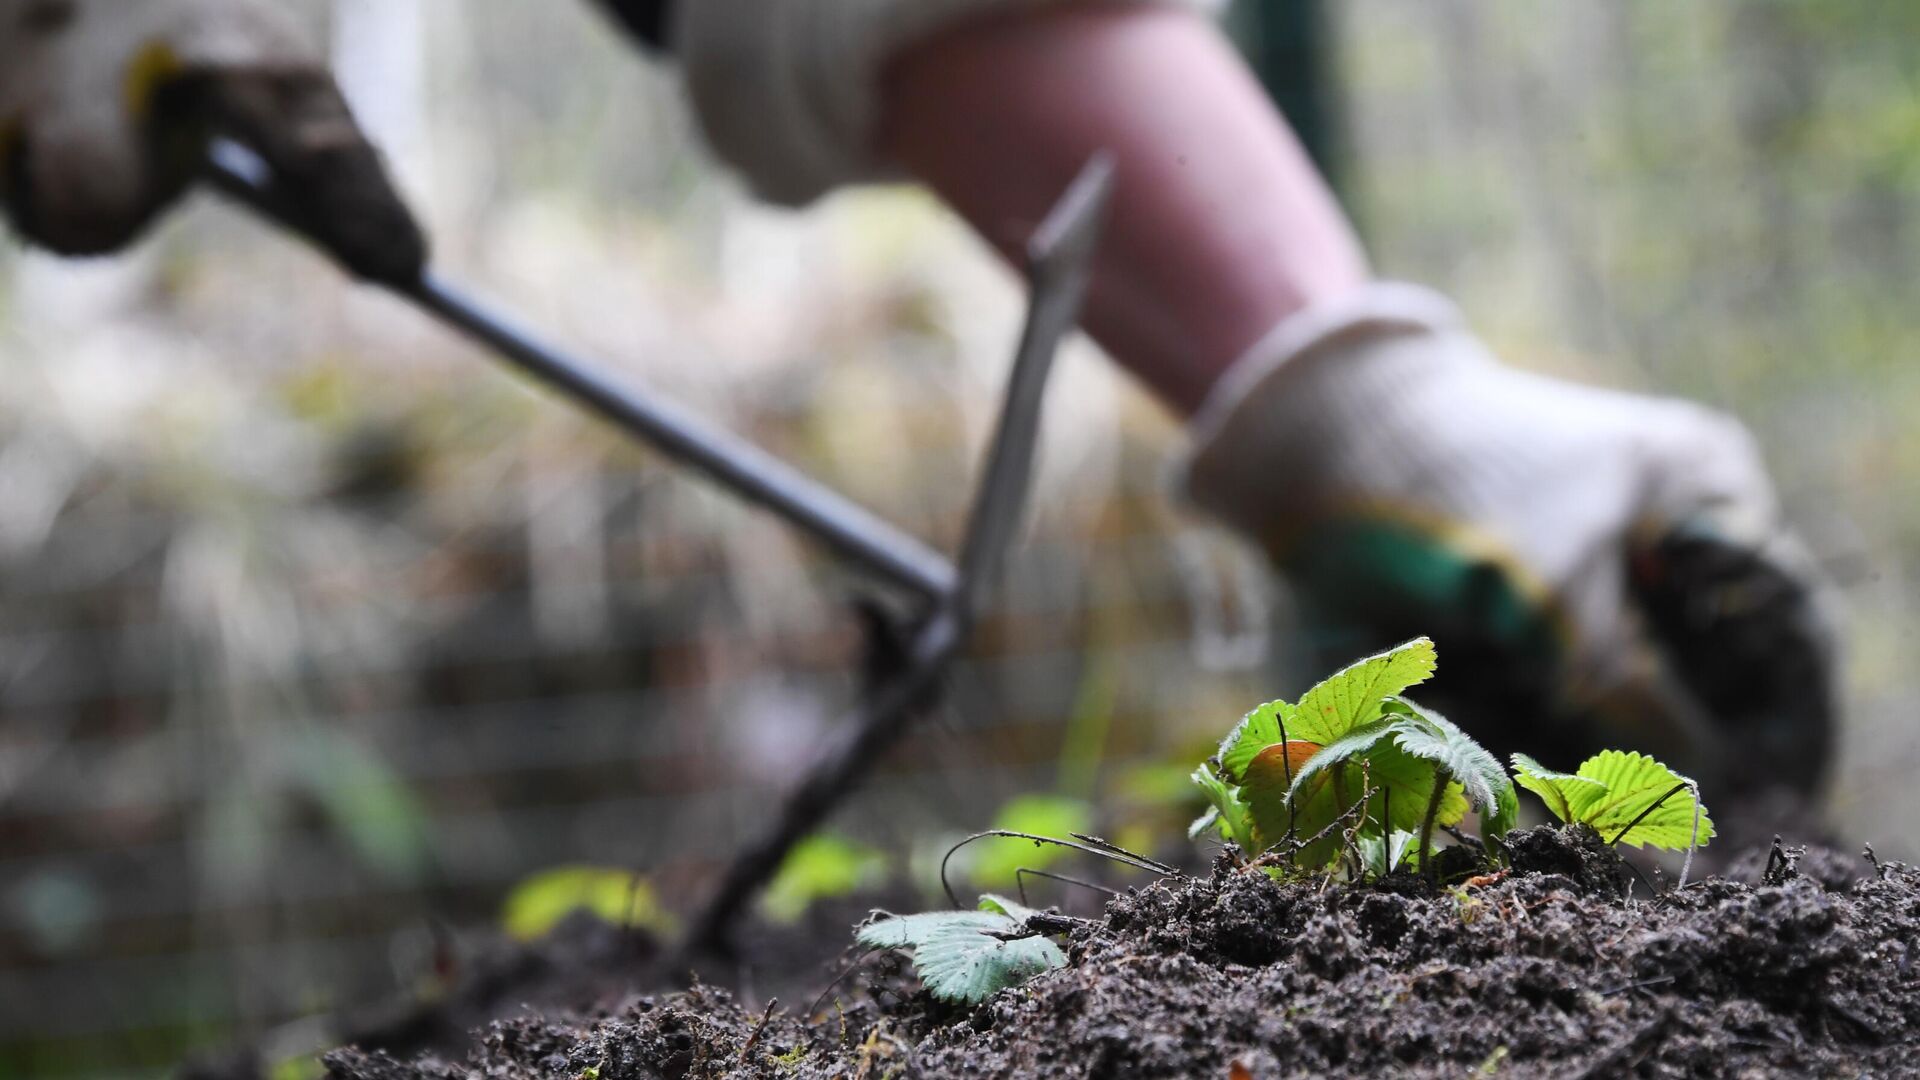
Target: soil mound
{"type": "Point", "coordinates": [1549, 970]}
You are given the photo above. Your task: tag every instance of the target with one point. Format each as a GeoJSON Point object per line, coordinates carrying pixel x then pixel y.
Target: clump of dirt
{"type": "Point", "coordinates": [1550, 970]}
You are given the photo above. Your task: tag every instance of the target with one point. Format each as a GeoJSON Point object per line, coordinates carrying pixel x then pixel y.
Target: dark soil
{"type": "Point", "coordinates": [1807, 970]}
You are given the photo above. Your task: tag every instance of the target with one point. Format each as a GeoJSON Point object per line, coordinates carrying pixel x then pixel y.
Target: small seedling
{"type": "Point", "coordinates": [1382, 855]}
{"type": "Point", "coordinates": [1627, 798]}
{"type": "Point", "coordinates": [1348, 766]}
{"type": "Point", "coordinates": [966, 957]}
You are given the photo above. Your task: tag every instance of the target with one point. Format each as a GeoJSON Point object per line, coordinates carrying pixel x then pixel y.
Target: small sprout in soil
{"type": "Point", "coordinates": [1356, 777]}
{"type": "Point", "coordinates": [1627, 798]}
{"type": "Point", "coordinates": [1329, 781]}
{"type": "Point", "coordinates": [1382, 855]}
{"type": "Point", "coordinates": [966, 957]}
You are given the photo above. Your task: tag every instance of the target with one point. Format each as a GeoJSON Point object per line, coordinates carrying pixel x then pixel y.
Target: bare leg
{"type": "Point", "coordinates": [1221, 227]}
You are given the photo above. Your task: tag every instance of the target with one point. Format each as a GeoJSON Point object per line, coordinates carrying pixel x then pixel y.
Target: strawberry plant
{"type": "Point", "coordinates": [1627, 798]}
{"type": "Point", "coordinates": [1354, 777]}
{"type": "Point", "coordinates": [1306, 785]}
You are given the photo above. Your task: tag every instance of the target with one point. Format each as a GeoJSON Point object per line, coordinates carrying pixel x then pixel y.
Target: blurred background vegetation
{"type": "Point", "coordinates": [318, 631]}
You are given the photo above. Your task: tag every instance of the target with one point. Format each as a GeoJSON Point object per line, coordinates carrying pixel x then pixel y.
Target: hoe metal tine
{"type": "Point", "coordinates": [1059, 264]}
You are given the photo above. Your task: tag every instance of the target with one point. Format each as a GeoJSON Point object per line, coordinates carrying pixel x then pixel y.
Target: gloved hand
{"type": "Point", "coordinates": [105, 107]}
{"type": "Point", "coordinates": [1597, 568]}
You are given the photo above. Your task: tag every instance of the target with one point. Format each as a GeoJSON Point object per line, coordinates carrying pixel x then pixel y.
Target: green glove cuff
{"type": "Point", "coordinates": [1363, 583]}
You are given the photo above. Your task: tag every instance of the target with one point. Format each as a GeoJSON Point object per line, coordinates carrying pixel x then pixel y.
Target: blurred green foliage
{"type": "Point", "coordinates": [999, 860]}
{"type": "Point", "coordinates": [621, 897]}
{"type": "Point", "coordinates": [824, 866]}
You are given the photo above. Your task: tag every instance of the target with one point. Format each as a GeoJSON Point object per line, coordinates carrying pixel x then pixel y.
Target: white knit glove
{"type": "Point", "coordinates": [1596, 567]}
{"type": "Point", "coordinates": [105, 106]}
{"type": "Point", "coordinates": [787, 90]}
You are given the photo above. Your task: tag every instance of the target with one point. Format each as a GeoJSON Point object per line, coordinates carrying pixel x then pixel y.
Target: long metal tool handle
{"type": "Point", "coordinates": [1059, 265]}
{"type": "Point", "coordinates": [749, 471]}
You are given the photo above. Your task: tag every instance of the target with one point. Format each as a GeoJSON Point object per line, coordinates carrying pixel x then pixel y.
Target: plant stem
{"type": "Point", "coordinates": [1441, 778]}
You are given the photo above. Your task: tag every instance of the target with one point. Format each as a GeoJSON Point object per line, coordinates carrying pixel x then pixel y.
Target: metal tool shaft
{"type": "Point", "coordinates": [749, 471]}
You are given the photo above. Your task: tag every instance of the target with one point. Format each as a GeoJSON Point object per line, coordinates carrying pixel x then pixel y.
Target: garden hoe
{"type": "Point", "coordinates": [946, 592]}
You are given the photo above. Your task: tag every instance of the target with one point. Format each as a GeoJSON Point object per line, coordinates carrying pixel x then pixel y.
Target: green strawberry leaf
{"type": "Point", "coordinates": [1269, 794]}
{"type": "Point", "coordinates": [1318, 767]}
{"type": "Point", "coordinates": [1353, 696]}
{"type": "Point", "coordinates": [1433, 737]}
{"type": "Point", "coordinates": [1403, 783]}
{"type": "Point", "coordinates": [955, 954]}
{"type": "Point", "coordinates": [1305, 809]}
{"type": "Point", "coordinates": [1229, 812]}
{"type": "Point", "coordinates": [1612, 790]}
{"type": "Point", "coordinates": [1566, 795]}
{"type": "Point", "coordinates": [1634, 783]}
{"type": "Point", "coordinates": [1265, 725]}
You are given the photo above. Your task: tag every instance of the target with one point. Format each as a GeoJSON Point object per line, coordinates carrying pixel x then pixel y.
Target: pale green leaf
{"type": "Point", "coordinates": [1265, 725]}
{"type": "Point", "coordinates": [1504, 816]}
{"type": "Point", "coordinates": [1385, 854]}
{"type": "Point", "coordinates": [1209, 821]}
{"type": "Point", "coordinates": [1635, 782]}
{"type": "Point", "coordinates": [955, 954]}
{"type": "Point", "coordinates": [1230, 812]}
{"type": "Point", "coordinates": [1012, 909]}
{"type": "Point", "coordinates": [1353, 696]}
{"type": "Point", "coordinates": [1566, 795]}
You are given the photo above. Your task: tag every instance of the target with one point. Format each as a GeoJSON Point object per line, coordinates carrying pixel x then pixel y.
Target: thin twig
{"type": "Point", "coordinates": [1286, 767]}
{"type": "Point", "coordinates": [1104, 844]}
{"type": "Point", "coordinates": [1332, 827]}
{"type": "Point", "coordinates": [1020, 883]}
{"type": "Point", "coordinates": [754, 1036]}
{"type": "Point", "coordinates": [1642, 984]}
{"type": "Point", "coordinates": [1880, 871]}
{"type": "Point", "coordinates": [1091, 845]}
{"type": "Point", "coordinates": [844, 972]}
